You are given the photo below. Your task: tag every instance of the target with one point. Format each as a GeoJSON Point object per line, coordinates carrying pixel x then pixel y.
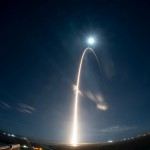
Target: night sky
{"type": "Point", "coordinates": [41, 43]}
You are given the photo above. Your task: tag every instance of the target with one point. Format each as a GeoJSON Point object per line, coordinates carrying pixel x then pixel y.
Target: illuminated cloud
{"type": "Point", "coordinates": [26, 109]}
{"type": "Point", "coordinates": [98, 99]}
{"type": "Point", "coordinates": [74, 88]}
{"type": "Point", "coordinates": [116, 129]}
{"type": "Point", "coordinates": [108, 66]}
{"type": "Point", "coordinates": [4, 105]}
{"type": "Point", "coordinates": [102, 107]}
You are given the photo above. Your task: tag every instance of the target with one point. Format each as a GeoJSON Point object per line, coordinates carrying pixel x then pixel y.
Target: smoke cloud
{"type": "Point", "coordinates": [98, 99]}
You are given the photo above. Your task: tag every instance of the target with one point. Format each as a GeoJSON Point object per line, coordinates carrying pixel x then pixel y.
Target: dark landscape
{"type": "Point", "coordinates": [141, 142]}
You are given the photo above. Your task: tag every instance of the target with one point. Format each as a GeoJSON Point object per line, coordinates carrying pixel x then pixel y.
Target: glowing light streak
{"type": "Point", "coordinates": [74, 140]}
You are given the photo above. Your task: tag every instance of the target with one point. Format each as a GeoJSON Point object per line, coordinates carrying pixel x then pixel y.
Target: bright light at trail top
{"type": "Point", "coordinates": [91, 40]}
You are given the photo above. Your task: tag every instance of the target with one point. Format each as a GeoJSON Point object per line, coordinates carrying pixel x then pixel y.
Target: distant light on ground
{"type": "Point", "coordinates": [13, 135]}
{"type": "Point", "coordinates": [25, 146]}
{"type": "Point", "coordinates": [109, 141]}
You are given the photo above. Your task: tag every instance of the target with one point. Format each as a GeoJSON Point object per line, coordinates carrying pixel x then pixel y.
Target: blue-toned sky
{"type": "Point", "coordinates": [41, 43]}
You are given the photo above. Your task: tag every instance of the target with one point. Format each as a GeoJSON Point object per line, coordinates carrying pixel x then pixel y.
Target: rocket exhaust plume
{"type": "Point", "coordinates": [74, 140]}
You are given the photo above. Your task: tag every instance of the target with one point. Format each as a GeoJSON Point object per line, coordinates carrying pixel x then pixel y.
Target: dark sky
{"type": "Point", "coordinates": [41, 43]}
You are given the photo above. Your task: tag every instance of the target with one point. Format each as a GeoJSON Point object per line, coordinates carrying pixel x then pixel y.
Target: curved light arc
{"type": "Point", "coordinates": [74, 140]}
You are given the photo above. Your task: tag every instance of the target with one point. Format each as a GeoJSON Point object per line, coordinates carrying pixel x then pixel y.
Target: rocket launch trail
{"type": "Point", "coordinates": [74, 140]}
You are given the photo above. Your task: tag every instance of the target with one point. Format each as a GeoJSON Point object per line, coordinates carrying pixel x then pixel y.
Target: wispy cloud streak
{"type": "Point", "coordinates": [5, 105]}
{"type": "Point", "coordinates": [26, 108]}
{"type": "Point", "coordinates": [117, 129]}
{"type": "Point", "coordinates": [98, 99]}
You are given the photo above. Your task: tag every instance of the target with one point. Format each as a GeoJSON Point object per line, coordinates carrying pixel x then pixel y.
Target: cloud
{"type": "Point", "coordinates": [102, 107]}
{"type": "Point", "coordinates": [5, 105]}
{"type": "Point", "coordinates": [74, 88]}
{"type": "Point", "coordinates": [22, 107]}
{"type": "Point", "coordinates": [98, 99]}
{"type": "Point", "coordinates": [117, 129]}
{"type": "Point", "coordinates": [26, 109]}
{"type": "Point", "coordinates": [108, 66]}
